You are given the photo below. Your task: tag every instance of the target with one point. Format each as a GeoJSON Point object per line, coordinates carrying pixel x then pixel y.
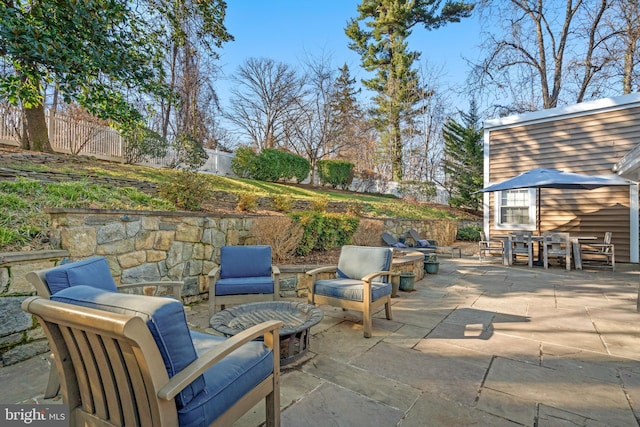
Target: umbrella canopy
{"type": "Point", "coordinates": [552, 178]}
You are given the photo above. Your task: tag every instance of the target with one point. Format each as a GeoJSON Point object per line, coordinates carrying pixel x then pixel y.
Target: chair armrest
{"type": "Point", "coordinates": [275, 270]}
{"type": "Point", "coordinates": [369, 277]}
{"type": "Point", "coordinates": [328, 269]}
{"type": "Point", "coordinates": [196, 368]}
{"type": "Point", "coordinates": [213, 274]}
{"type": "Point", "coordinates": [175, 286]}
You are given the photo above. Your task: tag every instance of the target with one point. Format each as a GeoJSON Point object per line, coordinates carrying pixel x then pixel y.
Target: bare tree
{"type": "Point", "coordinates": [262, 95]}
{"type": "Point", "coordinates": [532, 43]}
{"type": "Point", "coordinates": [552, 52]}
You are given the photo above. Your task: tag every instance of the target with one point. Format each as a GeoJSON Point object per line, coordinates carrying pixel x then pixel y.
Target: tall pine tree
{"type": "Point", "coordinates": [463, 161]}
{"type": "Point", "coordinates": [381, 41]}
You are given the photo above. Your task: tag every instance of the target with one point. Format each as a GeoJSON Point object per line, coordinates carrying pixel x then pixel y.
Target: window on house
{"type": "Point", "coordinates": [515, 209]}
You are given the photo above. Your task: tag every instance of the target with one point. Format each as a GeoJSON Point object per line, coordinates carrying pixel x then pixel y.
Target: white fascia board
{"type": "Point", "coordinates": [575, 110]}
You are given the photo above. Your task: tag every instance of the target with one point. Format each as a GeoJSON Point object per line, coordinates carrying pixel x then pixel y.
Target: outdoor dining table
{"type": "Point", "coordinates": [575, 248]}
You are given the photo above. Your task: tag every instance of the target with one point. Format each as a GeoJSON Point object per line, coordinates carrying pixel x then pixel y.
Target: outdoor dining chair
{"type": "Point", "coordinates": [557, 245]}
{"type": "Point", "coordinates": [487, 246]}
{"type": "Point", "coordinates": [600, 254]}
{"type": "Point", "coordinates": [521, 245]}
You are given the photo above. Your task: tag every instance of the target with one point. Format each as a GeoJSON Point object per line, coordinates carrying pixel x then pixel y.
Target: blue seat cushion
{"type": "Point", "coordinates": [164, 317]}
{"type": "Point", "coordinates": [350, 289]}
{"type": "Point", "coordinates": [226, 381]}
{"type": "Point", "coordinates": [245, 261]}
{"type": "Point", "coordinates": [244, 285]}
{"type": "Point", "coordinates": [423, 243]}
{"type": "Point", "coordinates": [92, 271]}
{"type": "Point", "coordinates": [355, 262]}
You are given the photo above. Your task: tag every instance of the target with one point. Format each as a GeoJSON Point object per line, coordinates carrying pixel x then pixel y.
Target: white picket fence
{"type": "Point", "coordinates": [66, 135]}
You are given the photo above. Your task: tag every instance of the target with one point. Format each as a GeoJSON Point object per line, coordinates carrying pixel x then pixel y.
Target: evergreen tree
{"type": "Point", "coordinates": [383, 46]}
{"type": "Point", "coordinates": [346, 112]}
{"type": "Point", "coordinates": [463, 161]}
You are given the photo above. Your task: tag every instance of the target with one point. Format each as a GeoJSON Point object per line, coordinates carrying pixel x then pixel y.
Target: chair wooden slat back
{"type": "Point", "coordinates": [111, 369]}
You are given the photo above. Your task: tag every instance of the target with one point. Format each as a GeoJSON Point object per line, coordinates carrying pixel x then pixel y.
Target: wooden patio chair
{"type": "Point", "coordinates": [93, 271]}
{"type": "Point", "coordinates": [557, 245]}
{"type": "Point", "coordinates": [245, 275]}
{"type": "Point", "coordinates": [600, 254]}
{"type": "Point", "coordinates": [361, 281]}
{"type": "Point", "coordinates": [487, 246]}
{"type": "Point", "coordinates": [131, 360]}
{"type": "Point", "coordinates": [521, 245]}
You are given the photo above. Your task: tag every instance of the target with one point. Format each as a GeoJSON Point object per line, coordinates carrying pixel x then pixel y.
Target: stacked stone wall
{"type": "Point", "coordinates": [151, 246]}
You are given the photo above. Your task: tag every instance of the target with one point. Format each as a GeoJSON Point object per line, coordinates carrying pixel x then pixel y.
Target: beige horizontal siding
{"type": "Point", "coordinates": [589, 145]}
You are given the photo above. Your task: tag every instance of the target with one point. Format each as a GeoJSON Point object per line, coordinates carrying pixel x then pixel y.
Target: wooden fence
{"type": "Point", "coordinates": [66, 135]}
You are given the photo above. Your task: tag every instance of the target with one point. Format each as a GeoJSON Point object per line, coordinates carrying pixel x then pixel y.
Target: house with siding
{"type": "Point", "coordinates": [599, 137]}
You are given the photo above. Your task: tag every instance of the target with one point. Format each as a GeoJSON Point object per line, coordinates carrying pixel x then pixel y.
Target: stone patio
{"type": "Point", "coordinates": [477, 344]}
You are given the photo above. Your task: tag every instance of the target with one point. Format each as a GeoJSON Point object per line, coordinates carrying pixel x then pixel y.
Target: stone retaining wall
{"type": "Point", "coordinates": [151, 246]}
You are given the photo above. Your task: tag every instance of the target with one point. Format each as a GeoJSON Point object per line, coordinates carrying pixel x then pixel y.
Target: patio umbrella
{"type": "Point", "coordinates": [553, 178]}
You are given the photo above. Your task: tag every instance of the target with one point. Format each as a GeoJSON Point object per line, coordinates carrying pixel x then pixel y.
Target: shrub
{"type": "Point", "coordinates": [270, 165]}
{"type": "Point", "coordinates": [282, 233]}
{"type": "Point", "coordinates": [336, 173]}
{"type": "Point", "coordinates": [189, 153]}
{"type": "Point", "coordinates": [319, 204]}
{"type": "Point", "coordinates": [323, 231]}
{"type": "Point", "coordinates": [247, 202]}
{"type": "Point", "coordinates": [141, 142]}
{"type": "Point", "coordinates": [282, 202]}
{"type": "Point", "coordinates": [417, 190]}
{"type": "Point", "coordinates": [469, 233]}
{"type": "Point", "coordinates": [187, 191]}
{"type": "Point", "coordinates": [243, 163]}
{"type": "Point", "coordinates": [368, 233]}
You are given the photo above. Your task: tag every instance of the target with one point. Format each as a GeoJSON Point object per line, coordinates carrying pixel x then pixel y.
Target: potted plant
{"type": "Point", "coordinates": [431, 263]}
{"type": "Point", "coordinates": [407, 281]}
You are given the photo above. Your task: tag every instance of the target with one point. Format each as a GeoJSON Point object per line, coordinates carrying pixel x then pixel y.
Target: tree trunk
{"type": "Point", "coordinates": [37, 129]}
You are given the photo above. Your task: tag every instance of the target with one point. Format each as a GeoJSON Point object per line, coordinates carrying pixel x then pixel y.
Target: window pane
{"type": "Point", "coordinates": [514, 207]}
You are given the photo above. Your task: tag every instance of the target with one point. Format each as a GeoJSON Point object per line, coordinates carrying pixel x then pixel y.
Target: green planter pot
{"type": "Point", "coordinates": [407, 281]}
{"type": "Point", "coordinates": [431, 267]}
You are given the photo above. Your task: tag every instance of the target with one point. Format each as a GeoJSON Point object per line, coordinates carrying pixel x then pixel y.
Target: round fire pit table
{"type": "Point", "coordinates": [297, 318]}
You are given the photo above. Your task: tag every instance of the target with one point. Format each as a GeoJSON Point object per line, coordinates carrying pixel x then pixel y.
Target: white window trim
{"type": "Point", "coordinates": [497, 203]}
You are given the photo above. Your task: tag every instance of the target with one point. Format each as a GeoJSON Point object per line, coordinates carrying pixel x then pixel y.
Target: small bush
{"type": "Point", "coordinates": [188, 191]}
{"type": "Point", "coordinates": [417, 190]}
{"type": "Point", "coordinates": [282, 233]}
{"type": "Point", "coordinates": [355, 208]}
{"type": "Point", "coordinates": [324, 231]}
{"type": "Point", "coordinates": [469, 233]}
{"type": "Point", "coordinates": [368, 233]}
{"type": "Point", "coordinates": [319, 204]}
{"type": "Point", "coordinates": [282, 202]}
{"type": "Point", "coordinates": [243, 163]}
{"type": "Point", "coordinates": [247, 202]}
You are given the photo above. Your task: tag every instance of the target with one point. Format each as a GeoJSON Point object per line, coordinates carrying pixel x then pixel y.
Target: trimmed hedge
{"type": "Point", "coordinates": [324, 231]}
{"type": "Point", "coordinates": [270, 165]}
{"type": "Point", "coordinates": [336, 173]}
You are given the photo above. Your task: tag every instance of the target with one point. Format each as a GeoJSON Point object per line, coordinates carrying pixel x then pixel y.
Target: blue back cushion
{"type": "Point", "coordinates": [164, 317]}
{"type": "Point", "coordinates": [357, 261]}
{"type": "Point", "coordinates": [245, 261]}
{"type": "Point", "coordinates": [92, 271]}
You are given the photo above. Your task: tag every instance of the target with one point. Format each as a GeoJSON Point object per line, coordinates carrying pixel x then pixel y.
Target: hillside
{"type": "Point", "coordinates": [31, 182]}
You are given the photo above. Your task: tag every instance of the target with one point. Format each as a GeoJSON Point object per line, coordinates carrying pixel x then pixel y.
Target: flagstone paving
{"type": "Point", "coordinates": [477, 344]}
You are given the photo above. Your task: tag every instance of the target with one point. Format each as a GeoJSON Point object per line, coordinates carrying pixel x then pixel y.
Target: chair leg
{"type": "Point", "coordinates": [387, 309]}
{"type": "Point", "coordinates": [366, 323]}
{"type": "Point", "coordinates": [53, 384]}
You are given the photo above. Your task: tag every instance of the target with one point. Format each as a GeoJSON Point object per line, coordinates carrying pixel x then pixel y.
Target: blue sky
{"type": "Point", "coordinates": [291, 30]}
